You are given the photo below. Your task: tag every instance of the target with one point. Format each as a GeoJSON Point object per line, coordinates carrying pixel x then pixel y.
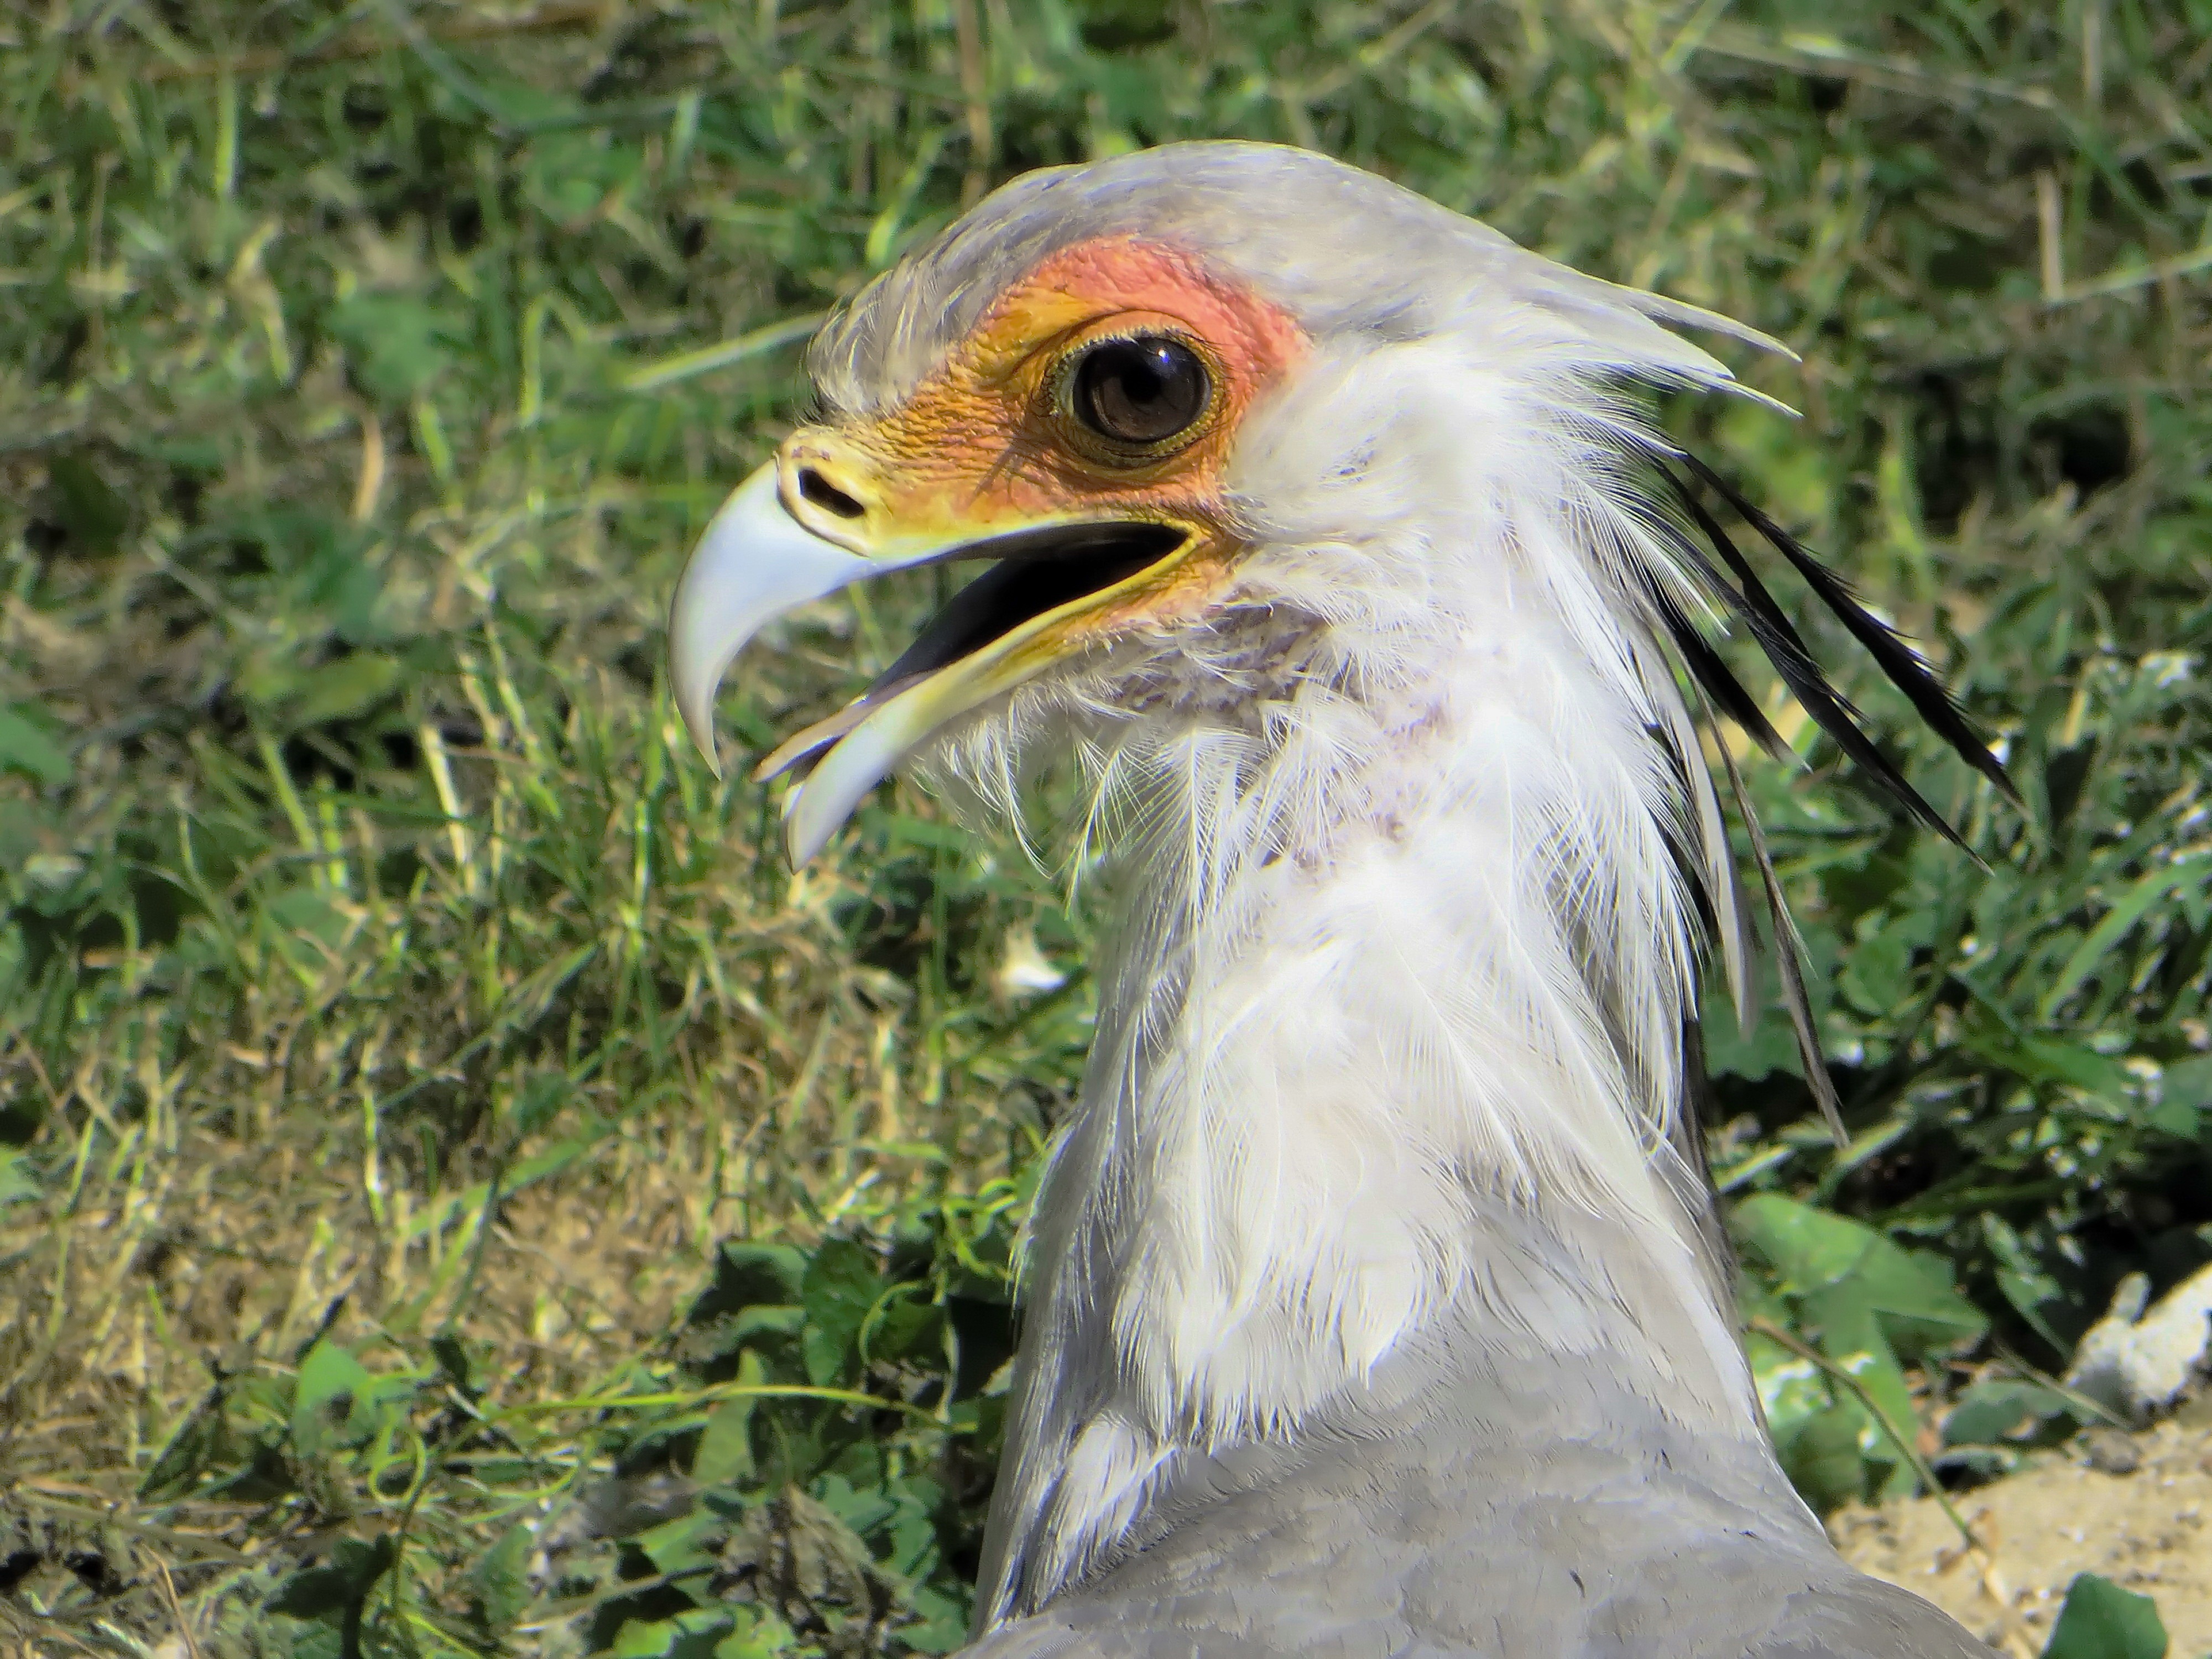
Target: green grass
{"type": "Point", "coordinates": [396, 1021]}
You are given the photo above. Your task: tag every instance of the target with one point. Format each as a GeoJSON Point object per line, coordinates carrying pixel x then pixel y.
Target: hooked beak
{"type": "Point", "coordinates": [773, 547]}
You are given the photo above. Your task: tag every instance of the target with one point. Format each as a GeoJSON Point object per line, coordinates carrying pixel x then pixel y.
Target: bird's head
{"type": "Point", "coordinates": [1080, 435]}
{"type": "Point", "coordinates": [1225, 422]}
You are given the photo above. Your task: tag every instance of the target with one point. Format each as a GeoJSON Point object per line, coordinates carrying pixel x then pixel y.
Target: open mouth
{"type": "Point", "coordinates": [1036, 572]}
{"type": "Point", "coordinates": [1052, 590]}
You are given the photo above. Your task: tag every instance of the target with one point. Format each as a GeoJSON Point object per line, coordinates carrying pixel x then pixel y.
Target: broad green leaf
{"type": "Point", "coordinates": [2032, 1296]}
{"type": "Point", "coordinates": [17, 1184]}
{"type": "Point", "coordinates": [2024, 1282]}
{"type": "Point", "coordinates": [1824, 1459]}
{"type": "Point", "coordinates": [2178, 1118]}
{"type": "Point", "coordinates": [26, 751]}
{"type": "Point", "coordinates": [841, 1287]}
{"type": "Point", "coordinates": [1809, 1249]}
{"type": "Point", "coordinates": [1850, 1334]}
{"type": "Point", "coordinates": [341, 690]}
{"type": "Point", "coordinates": [2185, 1097]}
{"type": "Point", "coordinates": [313, 1593]}
{"type": "Point", "coordinates": [862, 1509]}
{"type": "Point", "coordinates": [683, 1543]}
{"type": "Point", "coordinates": [940, 1623]}
{"type": "Point", "coordinates": [725, 1450]}
{"type": "Point", "coordinates": [304, 912]}
{"type": "Point", "coordinates": [396, 344]}
{"type": "Point", "coordinates": [569, 174]}
{"type": "Point", "coordinates": [910, 1532]}
{"type": "Point", "coordinates": [2189, 1081]}
{"type": "Point", "coordinates": [329, 1397]}
{"type": "Point", "coordinates": [759, 1634]}
{"type": "Point", "coordinates": [536, 1103]}
{"type": "Point", "coordinates": [2101, 1620]}
{"type": "Point", "coordinates": [501, 1580]}
{"type": "Point", "coordinates": [454, 1363]}
{"type": "Point", "coordinates": [1768, 1048]}
{"type": "Point", "coordinates": [88, 506]}
{"type": "Point", "coordinates": [1878, 971]}
{"type": "Point", "coordinates": [903, 1324]}
{"type": "Point", "coordinates": [749, 1275]}
{"type": "Point", "coordinates": [764, 1319]}
{"type": "Point", "coordinates": [1792, 1388]}
{"type": "Point", "coordinates": [1812, 1251]}
{"type": "Point", "coordinates": [2048, 1059]}
{"type": "Point", "coordinates": [697, 1634]}
{"type": "Point", "coordinates": [318, 1639]}
{"type": "Point", "coordinates": [202, 1443]}
{"type": "Point", "coordinates": [1988, 1412]}
{"type": "Point", "coordinates": [321, 1592]}
{"type": "Point", "coordinates": [338, 1402]}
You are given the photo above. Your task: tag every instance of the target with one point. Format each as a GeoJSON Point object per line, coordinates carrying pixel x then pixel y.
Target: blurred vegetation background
{"type": "Point", "coordinates": [459, 1193]}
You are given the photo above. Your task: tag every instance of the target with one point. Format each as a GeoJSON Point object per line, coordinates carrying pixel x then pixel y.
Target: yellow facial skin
{"type": "Point", "coordinates": [984, 454]}
{"type": "Point", "coordinates": [986, 445]}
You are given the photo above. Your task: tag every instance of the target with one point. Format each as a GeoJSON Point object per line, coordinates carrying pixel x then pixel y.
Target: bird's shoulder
{"type": "Point", "coordinates": [1432, 1538]}
{"type": "Point", "coordinates": [1844, 1619]}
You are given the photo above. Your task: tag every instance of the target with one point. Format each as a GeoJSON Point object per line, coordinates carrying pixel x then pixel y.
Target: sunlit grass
{"type": "Point", "coordinates": [385, 985]}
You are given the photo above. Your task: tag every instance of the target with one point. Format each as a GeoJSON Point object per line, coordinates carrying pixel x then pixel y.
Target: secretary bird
{"type": "Point", "coordinates": [1380, 1303]}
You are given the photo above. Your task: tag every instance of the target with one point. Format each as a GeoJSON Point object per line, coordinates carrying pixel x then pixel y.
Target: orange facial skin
{"type": "Point", "coordinates": [985, 444]}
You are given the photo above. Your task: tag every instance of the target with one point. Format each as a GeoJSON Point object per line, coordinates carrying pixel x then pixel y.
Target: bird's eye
{"type": "Point", "coordinates": [1140, 392]}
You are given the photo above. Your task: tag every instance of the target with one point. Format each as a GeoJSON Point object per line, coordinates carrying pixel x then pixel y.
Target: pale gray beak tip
{"type": "Point", "coordinates": [754, 562]}
{"type": "Point", "coordinates": [801, 849]}
{"type": "Point", "coordinates": [693, 693]}
{"type": "Point", "coordinates": [806, 827]}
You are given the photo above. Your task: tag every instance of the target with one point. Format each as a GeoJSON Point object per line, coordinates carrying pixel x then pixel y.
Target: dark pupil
{"type": "Point", "coordinates": [1140, 390]}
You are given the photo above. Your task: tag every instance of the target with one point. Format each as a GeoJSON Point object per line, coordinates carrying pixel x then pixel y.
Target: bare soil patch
{"type": "Point", "coordinates": [2149, 1529]}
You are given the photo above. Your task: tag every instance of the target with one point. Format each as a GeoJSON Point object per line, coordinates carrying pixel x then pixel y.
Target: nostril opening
{"type": "Point", "coordinates": [813, 487]}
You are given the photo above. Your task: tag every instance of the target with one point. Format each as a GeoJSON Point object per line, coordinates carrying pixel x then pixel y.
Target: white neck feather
{"type": "Point", "coordinates": [1408, 942]}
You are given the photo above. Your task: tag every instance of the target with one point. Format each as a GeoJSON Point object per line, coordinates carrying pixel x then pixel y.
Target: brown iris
{"type": "Point", "coordinates": [1140, 392]}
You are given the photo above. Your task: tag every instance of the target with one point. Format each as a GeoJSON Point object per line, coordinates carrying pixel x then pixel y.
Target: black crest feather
{"type": "Point", "coordinates": [1900, 663]}
{"type": "Point", "coordinates": [1784, 647]}
{"type": "Point", "coordinates": [1702, 546]}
